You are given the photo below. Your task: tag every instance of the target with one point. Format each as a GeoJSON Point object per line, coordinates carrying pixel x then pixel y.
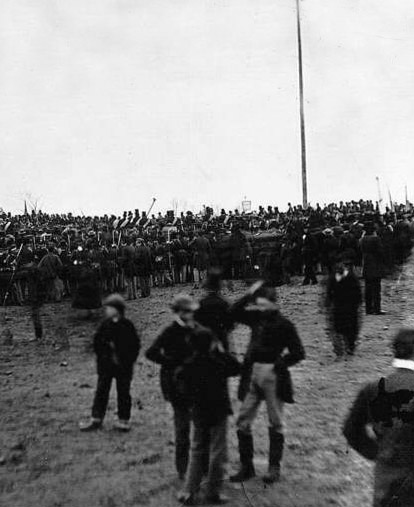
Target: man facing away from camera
{"type": "Point", "coordinates": [214, 311]}
{"type": "Point", "coordinates": [274, 347]}
{"type": "Point", "coordinates": [204, 379]}
{"type": "Point", "coordinates": [117, 345]}
{"type": "Point", "coordinates": [380, 427]}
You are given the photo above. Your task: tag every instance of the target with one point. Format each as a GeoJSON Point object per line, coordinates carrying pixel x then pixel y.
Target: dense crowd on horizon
{"type": "Point", "coordinates": [38, 223]}
{"type": "Point", "coordinates": [179, 248]}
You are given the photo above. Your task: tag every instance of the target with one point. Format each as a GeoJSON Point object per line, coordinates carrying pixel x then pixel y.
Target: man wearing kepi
{"type": "Point", "coordinates": [380, 427]}
{"type": "Point", "coordinates": [274, 347]}
{"type": "Point", "coordinates": [117, 345]}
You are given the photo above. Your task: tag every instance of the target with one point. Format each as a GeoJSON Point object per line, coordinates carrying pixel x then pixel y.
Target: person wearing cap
{"type": "Point", "coordinates": [170, 349]}
{"type": "Point", "coordinates": [117, 345]}
{"type": "Point", "coordinates": [380, 424]}
{"type": "Point", "coordinates": [274, 347]}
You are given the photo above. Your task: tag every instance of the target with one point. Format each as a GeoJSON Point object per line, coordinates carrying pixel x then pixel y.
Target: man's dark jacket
{"type": "Point", "coordinates": [372, 257]}
{"type": "Point", "coordinates": [345, 297]}
{"type": "Point", "coordinates": [170, 349]}
{"type": "Point", "coordinates": [214, 313]}
{"type": "Point", "coordinates": [205, 379]}
{"type": "Point", "coordinates": [143, 261]}
{"type": "Point", "coordinates": [272, 335]}
{"type": "Point", "coordinates": [117, 345]}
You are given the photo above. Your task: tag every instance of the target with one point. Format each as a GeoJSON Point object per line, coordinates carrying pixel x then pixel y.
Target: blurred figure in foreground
{"type": "Point", "coordinates": [380, 427]}
{"type": "Point", "coordinates": [204, 379]}
{"type": "Point", "coordinates": [343, 302]}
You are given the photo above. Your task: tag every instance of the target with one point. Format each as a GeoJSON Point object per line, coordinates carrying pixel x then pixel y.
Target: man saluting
{"type": "Point", "coordinates": [274, 347]}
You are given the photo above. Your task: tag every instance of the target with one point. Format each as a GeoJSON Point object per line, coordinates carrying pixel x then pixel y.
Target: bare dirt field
{"type": "Point", "coordinates": [46, 388]}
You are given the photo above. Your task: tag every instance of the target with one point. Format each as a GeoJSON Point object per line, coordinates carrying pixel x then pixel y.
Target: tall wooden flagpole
{"type": "Point", "coordinates": [302, 110]}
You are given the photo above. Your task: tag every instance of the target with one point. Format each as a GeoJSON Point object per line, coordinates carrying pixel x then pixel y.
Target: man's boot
{"type": "Point", "coordinates": [247, 470]}
{"type": "Point", "coordinates": [276, 441]}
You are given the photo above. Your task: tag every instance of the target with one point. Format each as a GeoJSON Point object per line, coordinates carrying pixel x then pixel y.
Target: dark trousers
{"type": "Point", "coordinates": [144, 283]}
{"type": "Point", "coordinates": [210, 441]}
{"type": "Point", "coordinates": [310, 275]}
{"type": "Point", "coordinates": [123, 384]}
{"type": "Point", "coordinates": [37, 323]}
{"type": "Point", "coordinates": [344, 342]}
{"type": "Point", "coordinates": [182, 424]}
{"type": "Point", "coordinates": [373, 295]}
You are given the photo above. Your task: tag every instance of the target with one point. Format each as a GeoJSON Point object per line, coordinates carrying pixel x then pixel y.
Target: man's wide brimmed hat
{"type": "Point", "coordinates": [182, 302]}
{"type": "Point", "coordinates": [116, 301]}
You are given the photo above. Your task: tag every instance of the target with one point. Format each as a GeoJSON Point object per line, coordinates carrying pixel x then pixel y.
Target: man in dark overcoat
{"type": "Point", "coordinates": [373, 269]}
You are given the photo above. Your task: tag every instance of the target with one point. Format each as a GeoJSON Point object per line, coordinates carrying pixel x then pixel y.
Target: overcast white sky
{"type": "Point", "coordinates": [105, 104]}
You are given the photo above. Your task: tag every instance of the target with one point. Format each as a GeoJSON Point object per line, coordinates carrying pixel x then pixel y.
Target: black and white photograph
{"type": "Point", "coordinates": [206, 270]}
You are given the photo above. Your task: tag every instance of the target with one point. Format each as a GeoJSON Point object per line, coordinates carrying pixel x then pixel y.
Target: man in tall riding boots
{"type": "Point", "coordinates": [274, 347]}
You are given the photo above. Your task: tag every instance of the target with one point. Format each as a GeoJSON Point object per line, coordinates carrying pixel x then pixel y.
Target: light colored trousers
{"type": "Point", "coordinates": [263, 387]}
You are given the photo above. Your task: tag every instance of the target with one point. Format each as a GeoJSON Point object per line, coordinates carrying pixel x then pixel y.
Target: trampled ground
{"type": "Point", "coordinates": [45, 389]}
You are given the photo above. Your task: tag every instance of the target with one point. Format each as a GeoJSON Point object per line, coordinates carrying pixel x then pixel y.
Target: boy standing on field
{"type": "Point", "coordinates": [117, 345]}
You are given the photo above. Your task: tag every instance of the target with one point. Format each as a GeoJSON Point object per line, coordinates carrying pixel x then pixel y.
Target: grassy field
{"type": "Point", "coordinates": [46, 388]}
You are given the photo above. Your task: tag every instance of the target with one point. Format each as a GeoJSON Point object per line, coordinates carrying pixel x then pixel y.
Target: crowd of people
{"type": "Point", "coordinates": [82, 257]}
{"type": "Point", "coordinates": [196, 361]}
{"type": "Point", "coordinates": [45, 257]}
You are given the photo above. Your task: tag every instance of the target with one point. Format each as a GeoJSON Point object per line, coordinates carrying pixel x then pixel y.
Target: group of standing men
{"type": "Point", "coordinates": [196, 361]}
